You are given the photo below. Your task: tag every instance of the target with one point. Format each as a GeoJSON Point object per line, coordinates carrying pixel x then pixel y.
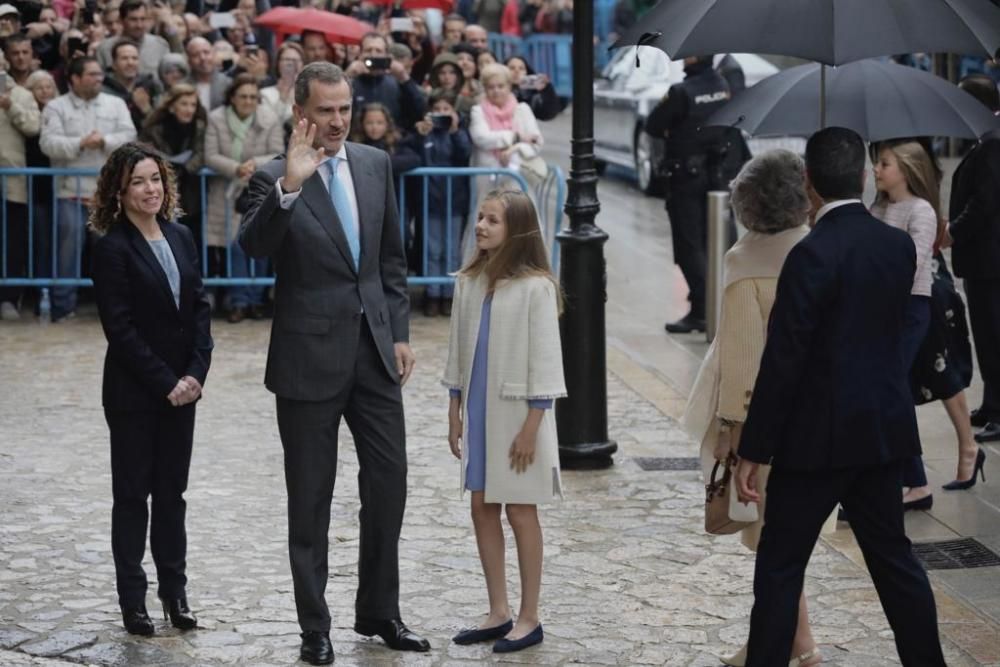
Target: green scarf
{"type": "Point", "coordinates": [238, 128]}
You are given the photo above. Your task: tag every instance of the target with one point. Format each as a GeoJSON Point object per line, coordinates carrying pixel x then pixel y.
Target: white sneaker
{"type": "Point", "coordinates": [9, 312]}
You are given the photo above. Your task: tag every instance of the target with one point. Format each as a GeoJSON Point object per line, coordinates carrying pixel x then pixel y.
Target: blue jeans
{"type": "Point", "coordinates": [443, 251]}
{"type": "Point", "coordinates": [71, 230]}
{"type": "Point", "coordinates": [243, 296]}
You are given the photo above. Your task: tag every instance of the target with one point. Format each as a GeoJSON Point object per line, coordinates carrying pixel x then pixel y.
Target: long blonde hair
{"type": "Point", "coordinates": [522, 253]}
{"type": "Point", "coordinates": [923, 177]}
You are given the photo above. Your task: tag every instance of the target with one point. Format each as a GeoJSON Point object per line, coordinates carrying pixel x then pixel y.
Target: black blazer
{"type": "Point", "coordinates": [832, 391]}
{"type": "Point", "coordinates": [151, 342]}
{"type": "Point", "coordinates": [974, 211]}
{"type": "Point", "coordinates": [319, 293]}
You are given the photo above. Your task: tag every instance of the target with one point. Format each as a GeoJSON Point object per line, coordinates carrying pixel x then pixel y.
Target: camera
{"type": "Point", "coordinates": [378, 63]}
{"type": "Point", "coordinates": [441, 121]}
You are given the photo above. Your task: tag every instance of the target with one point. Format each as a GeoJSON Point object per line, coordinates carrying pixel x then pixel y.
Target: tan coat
{"type": "Point", "coordinates": [524, 362]}
{"type": "Point", "coordinates": [264, 141]}
{"type": "Point", "coordinates": [21, 120]}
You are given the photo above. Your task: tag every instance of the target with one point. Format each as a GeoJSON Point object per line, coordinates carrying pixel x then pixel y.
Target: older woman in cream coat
{"type": "Point", "coordinates": [511, 381]}
{"type": "Point", "coordinates": [769, 200]}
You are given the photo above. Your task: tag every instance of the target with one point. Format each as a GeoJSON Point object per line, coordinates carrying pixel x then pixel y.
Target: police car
{"type": "Point", "coordinates": [625, 94]}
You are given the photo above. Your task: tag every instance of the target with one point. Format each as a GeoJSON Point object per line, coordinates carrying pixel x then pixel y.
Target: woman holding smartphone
{"type": "Point", "coordinates": [281, 95]}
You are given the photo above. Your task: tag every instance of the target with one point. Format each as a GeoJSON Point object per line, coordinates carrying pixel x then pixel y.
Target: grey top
{"type": "Point", "coordinates": [165, 256]}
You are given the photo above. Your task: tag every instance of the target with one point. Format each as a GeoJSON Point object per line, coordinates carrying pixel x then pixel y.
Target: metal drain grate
{"type": "Point", "coordinates": [954, 554]}
{"type": "Point", "coordinates": [663, 463]}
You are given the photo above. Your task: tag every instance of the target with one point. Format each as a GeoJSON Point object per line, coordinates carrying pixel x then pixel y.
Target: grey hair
{"type": "Point", "coordinates": [37, 77]}
{"type": "Point", "coordinates": [322, 71]}
{"type": "Point", "coordinates": [769, 193]}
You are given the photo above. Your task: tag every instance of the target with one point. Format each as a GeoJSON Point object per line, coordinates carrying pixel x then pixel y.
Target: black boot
{"type": "Point", "coordinates": [179, 613]}
{"type": "Point", "coordinates": [137, 621]}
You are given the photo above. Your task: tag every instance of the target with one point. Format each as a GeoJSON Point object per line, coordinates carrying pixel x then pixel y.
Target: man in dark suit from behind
{"type": "Point", "coordinates": [326, 213]}
{"type": "Point", "coordinates": [831, 411]}
{"type": "Point", "coordinates": [974, 232]}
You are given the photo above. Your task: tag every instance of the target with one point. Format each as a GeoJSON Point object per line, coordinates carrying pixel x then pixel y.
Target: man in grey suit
{"type": "Point", "coordinates": [326, 214]}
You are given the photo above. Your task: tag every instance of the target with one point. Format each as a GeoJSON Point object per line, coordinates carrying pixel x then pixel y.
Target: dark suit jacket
{"type": "Point", "coordinates": [151, 342]}
{"type": "Point", "coordinates": [319, 295]}
{"type": "Point", "coordinates": [974, 212]}
{"type": "Point", "coordinates": [832, 392]}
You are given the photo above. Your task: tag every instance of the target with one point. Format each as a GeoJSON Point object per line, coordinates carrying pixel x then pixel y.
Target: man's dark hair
{"type": "Point", "coordinates": [122, 41]}
{"type": "Point", "coordinates": [16, 38]}
{"type": "Point", "coordinates": [441, 94]}
{"type": "Point", "coordinates": [983, 89]}
{"type": "Point", "coordinates": [454, 17]}
{"type": "Point", "coordinates": [130, 6]}
{"type": "Point", "coordinates": [77, 65]}
{"type": "Point", "coordinates": [835, 162]}
{"type": "Point", "coordinates": [321, 71]}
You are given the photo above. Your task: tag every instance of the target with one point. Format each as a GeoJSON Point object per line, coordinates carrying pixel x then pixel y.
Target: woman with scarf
{"type": "Point", "coordinates": [241, 136]}
{"type": "Point", "coordinates": [504, 131]}
{"type": "Point", "coordinates": [176, 129]}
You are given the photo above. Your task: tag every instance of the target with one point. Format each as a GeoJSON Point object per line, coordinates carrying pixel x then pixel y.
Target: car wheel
{"type": "Point", "coordinates": [645, 172]}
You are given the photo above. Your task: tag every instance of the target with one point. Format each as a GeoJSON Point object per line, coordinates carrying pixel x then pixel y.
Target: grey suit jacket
{"type": "Point", "coordinates": [319, 295]}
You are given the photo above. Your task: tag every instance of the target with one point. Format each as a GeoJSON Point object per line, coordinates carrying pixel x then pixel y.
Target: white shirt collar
{"type": "Point", "coordinates": [834, 204]}
{"type": "Point", "coordinates": [341, 155]}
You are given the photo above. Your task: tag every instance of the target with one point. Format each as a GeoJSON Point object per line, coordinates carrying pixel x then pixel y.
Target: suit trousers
{"type": "Point", "coordinates": [372, 405]}
{"type": "Point", "coordinates": [984, 314]}
{"type": "Point", "coordinates": [150, 456]}
{"type": "Point", "coordinates": [797, 505]}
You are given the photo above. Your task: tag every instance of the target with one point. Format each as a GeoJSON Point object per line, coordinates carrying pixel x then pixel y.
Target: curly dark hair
{"type": "Point", "coordinates": [107, 209]}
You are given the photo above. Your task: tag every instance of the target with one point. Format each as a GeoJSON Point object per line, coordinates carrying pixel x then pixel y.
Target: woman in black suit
{"type": "Point", "coordinates": [156, 320]}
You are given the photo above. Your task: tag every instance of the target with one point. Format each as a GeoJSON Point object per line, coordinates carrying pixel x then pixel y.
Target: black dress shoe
{"type": "Point", "coordinates": [179, 613]}
{"type": "Point", "coordinates": [137, 621]}
{"type": "Point", "coordinates": [686, 324]}
{"type": "Point", "coordinates": [316, 648]}
{"type": "Point", "coordinates": [979, 418]}
{"type": "Point", "coordinates": [924, 503]}
{"type": "Point", "coordinates": [393, 632]}
{"type": "Point", "coordinates": [476, 635]}
{"type": "Point", "coordinates": [511, 645]}
{"type": "Point", "coordinates": [990, 433]}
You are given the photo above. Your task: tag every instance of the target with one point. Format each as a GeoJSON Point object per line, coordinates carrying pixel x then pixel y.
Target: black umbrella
{"type": "Point", "coordinates": [878, 100]}
{"type": "Point", "coordinates": [833, 32]}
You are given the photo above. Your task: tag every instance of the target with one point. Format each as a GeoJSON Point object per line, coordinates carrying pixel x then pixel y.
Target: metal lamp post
{"type": "Point", "coordinates": [582, 417]}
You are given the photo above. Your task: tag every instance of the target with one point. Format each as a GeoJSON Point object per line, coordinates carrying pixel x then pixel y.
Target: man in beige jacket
{"type": "Point", "coordinates": [19, 119]}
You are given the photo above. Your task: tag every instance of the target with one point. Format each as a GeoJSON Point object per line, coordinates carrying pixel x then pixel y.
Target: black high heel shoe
{"type": "Point", "coordinates": [137, 621]}
{"type": "Point", "coordinates": [179, 613]}
{"type": "Point", "coordinates": [956, 485]}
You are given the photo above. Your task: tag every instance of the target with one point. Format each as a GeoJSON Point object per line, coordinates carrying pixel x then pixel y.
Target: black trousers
{"type": "Point", "coordinates": [797, 505]}
{"type": "Point", "coordinates": [372, 405]}
{"type": "Point", "coordinates": [16, 250]}
{"type": "Point", "coordinates": [150, 456]}
{"type": "Point", "coordinates": [984, 314]}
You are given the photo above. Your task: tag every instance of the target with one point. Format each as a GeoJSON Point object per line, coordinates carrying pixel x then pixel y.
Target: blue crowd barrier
{"type": "Point", "coordinates": [547, 54]}
{"type": "Point", "coordinates": [550, 196]}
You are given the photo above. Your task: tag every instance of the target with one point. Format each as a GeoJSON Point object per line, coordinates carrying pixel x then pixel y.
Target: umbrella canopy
{"type": "Point", "coordinates": [878, 100]}
{"type": "Point", "coordinates": [336, 27]}
{"type": "Point", "coordinates": [833, 32]}
{"type": "Point", "coordinates": [444, 5]}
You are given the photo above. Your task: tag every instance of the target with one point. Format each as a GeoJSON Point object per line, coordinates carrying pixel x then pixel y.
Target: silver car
{"type": "Point", "coordinates": [624, 94]}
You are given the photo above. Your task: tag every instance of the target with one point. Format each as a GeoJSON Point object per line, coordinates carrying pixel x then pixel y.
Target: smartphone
{"type": "Point", "coordinates": [221, 20]}
{"type": "Point", "coordinates": [441, 121]}
{"type": "Point", "coordinates": [74, 44]}
{"type": "Point", "coordinates": [400, 24]}
{"type": "Point", "coordinates": [529, 80]}
{"type": "Point", "coordinates": [378, 63]}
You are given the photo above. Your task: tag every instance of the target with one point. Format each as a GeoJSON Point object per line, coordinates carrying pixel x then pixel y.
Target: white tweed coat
{"type": "Point", "coordinates": [524, 362]}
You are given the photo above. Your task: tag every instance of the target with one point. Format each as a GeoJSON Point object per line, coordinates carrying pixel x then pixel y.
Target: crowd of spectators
{"type": "Point", "coordinates": [207, 87]}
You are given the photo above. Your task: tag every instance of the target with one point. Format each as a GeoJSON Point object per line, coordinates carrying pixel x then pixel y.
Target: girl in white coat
{"type": "Point", "coordinates": [504, 370]}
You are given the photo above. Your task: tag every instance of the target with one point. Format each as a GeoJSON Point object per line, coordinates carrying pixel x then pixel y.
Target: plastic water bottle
{"type": "Point", "coordinates": [45, 306]}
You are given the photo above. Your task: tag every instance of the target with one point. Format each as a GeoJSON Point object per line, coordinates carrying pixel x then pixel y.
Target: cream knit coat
{"type": "Point", "coordinates": [524, 362]}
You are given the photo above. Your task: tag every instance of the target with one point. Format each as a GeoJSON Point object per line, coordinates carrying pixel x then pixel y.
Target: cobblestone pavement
{"type": "Point", "coordinates": [630, 577]}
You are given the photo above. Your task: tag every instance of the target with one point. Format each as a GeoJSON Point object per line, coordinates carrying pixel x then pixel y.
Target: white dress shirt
{"type": "Point", "coordinates": [834, 204]}
{"type": "Point", "coordinates": [343, 174]}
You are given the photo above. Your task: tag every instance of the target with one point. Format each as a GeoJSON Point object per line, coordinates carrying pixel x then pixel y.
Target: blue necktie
{"type": "Point", "coordinates": [338, 195]}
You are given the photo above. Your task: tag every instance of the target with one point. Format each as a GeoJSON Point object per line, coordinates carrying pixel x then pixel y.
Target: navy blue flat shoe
{"type": "Point", "coordinates": [476, 635]}
{"type": "Point", "coordinates": [510, 645]}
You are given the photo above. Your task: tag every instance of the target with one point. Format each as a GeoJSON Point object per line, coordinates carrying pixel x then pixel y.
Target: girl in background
{"type": "Point", "coordinates": [504, 370]}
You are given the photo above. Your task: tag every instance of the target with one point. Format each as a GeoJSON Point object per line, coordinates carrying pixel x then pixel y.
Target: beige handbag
{"type": "Point", "coordinates": [724, 513]}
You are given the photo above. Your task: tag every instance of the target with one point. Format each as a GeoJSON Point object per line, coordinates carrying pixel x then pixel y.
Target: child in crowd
{"type": "Point", "coordinates": [374, 127]}
{"type": "Point", "coordinates": [444, 143]}
{"type": "Point", "coordinates": [504, 370]}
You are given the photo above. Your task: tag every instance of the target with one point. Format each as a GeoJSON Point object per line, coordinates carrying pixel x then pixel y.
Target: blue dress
{"type": "Point", "coordinates": [475, 407]}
